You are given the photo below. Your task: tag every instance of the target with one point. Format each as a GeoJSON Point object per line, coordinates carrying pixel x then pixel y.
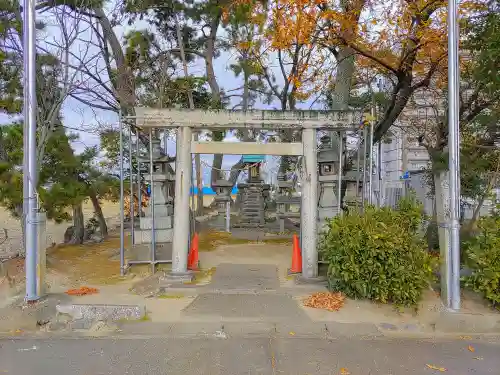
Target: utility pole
{"type": "Point", "coordinates": [453, 274]}
{"type": "Point", "coordinates": [30, 206]}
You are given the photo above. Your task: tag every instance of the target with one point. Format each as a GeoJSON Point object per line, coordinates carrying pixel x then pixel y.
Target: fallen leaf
{"type": "Point", "coordinates": [82, 291]}
{"type": "Point", "coordinates": [465, 338]}
{"type": "Point", "coordinates": [344, 371]}
{"type": "Point", "coordinates": [440, 369]}
{"type": "Point", "coordinates": [471, 348]}
{"type": "Point", "coordinates": [478, 358]}
{"type": "Point", "coordinates": [291, 333]}
{"type": "Point", "coordinates": [325, 300]}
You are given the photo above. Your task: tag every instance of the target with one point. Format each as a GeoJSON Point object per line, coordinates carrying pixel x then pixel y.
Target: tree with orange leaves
{"type": "Point", "coordinates": [289, 65]}
{"type": "Point", "coordinates": [404, 40]}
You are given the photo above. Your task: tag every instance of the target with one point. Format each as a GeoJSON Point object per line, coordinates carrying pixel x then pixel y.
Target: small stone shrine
{"type": "Point", "coordinates": [253, 194]}
{"type": "Point", "coordinates": [162, 183]}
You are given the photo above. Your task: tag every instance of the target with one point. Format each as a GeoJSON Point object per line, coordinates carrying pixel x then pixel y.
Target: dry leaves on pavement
{"type": "Point", "coordinates": [82, 291]}
{"type": "Point", "coordinates": [440, 369]}
{"type": "Point", "coordinates": [325, 300]}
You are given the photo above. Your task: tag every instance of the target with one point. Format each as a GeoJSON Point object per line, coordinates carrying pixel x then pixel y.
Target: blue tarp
{"type": "Point", "coordinates": [253, 158]}
{"type": "Point", "coordinates": [207, 190]}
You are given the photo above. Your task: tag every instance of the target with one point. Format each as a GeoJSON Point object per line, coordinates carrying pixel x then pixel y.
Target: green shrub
{"type": "Point", "coordinates": [483, 257]}
{"type": "Point", "coordinates": [379, 254]}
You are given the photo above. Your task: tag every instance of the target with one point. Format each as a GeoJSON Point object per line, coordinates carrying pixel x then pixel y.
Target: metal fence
{"type": "Point", "coordinates": [393, 191]}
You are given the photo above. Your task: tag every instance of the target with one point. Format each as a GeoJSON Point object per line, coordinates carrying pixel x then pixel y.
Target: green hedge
{"type": "Point", "coordinates": [483, 257]}
{"type": "Point", "coordinates": [379, 254]}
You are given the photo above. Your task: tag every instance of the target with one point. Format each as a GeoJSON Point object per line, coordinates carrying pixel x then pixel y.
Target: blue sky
{"type": "Point", "coordinates": [79, 116]}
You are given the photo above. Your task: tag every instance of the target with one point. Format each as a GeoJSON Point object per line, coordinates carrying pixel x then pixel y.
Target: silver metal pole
{"type": "Point", "coordinates": [339, 175]}
{"type": "Point", "coordinates": [228, 217]}
{"type": "Point", "coordinates": [191, 189]}
{"type": "Point", "coordinates": [138, 178]}
{"type": "Point", "coordinates": [379, 172]}
{"type": "Point", "coordinates": [165, 146]}
{"type": "Point", "coordinates": [363, 192]}
{"type": "Point", "coordinates": [454, 154]}
{"type": "Point", "coordinates": [122, 197]}
{"type": "Point", "coordinates": [131, 171]}
{"type": "Point", "coordinates": [370, 166]}
{"type": "Point", "coordinates": [358, 162]}
{"type": "Point", "coordinates": [152, 202]}
{"type": "Point", "coordinates": [30, 152]}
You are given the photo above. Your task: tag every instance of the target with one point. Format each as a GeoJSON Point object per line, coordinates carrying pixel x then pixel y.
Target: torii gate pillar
{"type": "Point", "coordinates": [309, 205]}
{"type": "Point", "coordinates": [183, 167]}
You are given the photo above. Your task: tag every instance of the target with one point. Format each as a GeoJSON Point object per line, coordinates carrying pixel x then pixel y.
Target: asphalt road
{"type": "Point", "coordinates": [246, 355]}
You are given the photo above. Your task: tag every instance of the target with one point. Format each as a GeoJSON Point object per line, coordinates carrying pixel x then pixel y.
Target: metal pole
{"type": "Point", "coordinates": [152, 202]}
{"type": "Point", "coordinates": [379, 172]}
{"type": "Point", "coordinates": [358, 162]}
{"type": "Point", "coordinates": [30, 151]}
{"type": "Point", "coordinates": [139, 177]}
{"type": "Point", "coordinates": [454, 154]}
{"type": "Point", "coordinates": [191, 189]}
{"type": "Point", "coordinates": [122, 197]}
{"type": "Point", "coordinates": [165, 146]}
{"type": "Point", "coordinates": [370, 166]}
{"type": "Point", "coordinates": [363, 192]}
{"type": "Point", "coordinates": [228, 217]}
{"type": "Point", "coordinates": [132, 200]}
{"type": "Point", "coordinates": [339, 175]}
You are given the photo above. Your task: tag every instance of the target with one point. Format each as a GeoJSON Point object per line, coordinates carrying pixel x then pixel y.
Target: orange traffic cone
{"type": "Point", "coordinates": [193, 254]}
{"type": "Point", "coordinates": [296, 256]}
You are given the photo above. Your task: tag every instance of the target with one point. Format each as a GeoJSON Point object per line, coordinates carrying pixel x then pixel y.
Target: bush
{"type": "Point", "coordinates": [483, 258]}
{"type": "Point", "coordinates": [379, 254]}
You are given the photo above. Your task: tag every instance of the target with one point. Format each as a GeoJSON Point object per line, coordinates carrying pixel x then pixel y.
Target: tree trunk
{"type": "Point", "coordinates": [199, 183]}
{"type": "Point", "coordinates": [99, 215]}
{"type": "Point", "coordinates": [78, 225]}
{"type": "Point", "coordinates": [214, 88]}
{"type": "Point", "coordinates": [343, 78]}
{"type": "Point", "coordinates": [246, 91]}
{"type": "Point", "coordinates": [197, 160]}
{"type": "Point", "coordinates": [491, 184]}
{"type": "Point", "coordinates": [340, 99]}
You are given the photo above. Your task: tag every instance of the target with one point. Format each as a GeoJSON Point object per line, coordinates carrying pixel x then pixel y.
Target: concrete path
{"type": "Point", "coordinates": [244, 322]}
{"type": "Point", "coordinates": [244, 355]}
{"type": "Point", "coordinates": [246, 292]}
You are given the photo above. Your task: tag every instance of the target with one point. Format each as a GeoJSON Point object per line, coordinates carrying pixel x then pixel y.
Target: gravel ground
{"type": "Point", "coordinates": [55, 232]}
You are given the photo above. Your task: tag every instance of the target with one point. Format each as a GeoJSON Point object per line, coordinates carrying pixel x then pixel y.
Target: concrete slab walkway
{"type": "Point", "coordinates": [247, 291]}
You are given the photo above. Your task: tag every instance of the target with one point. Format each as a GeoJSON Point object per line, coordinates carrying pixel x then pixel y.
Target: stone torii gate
{"type": "Point", "coordinates": [185, 121]}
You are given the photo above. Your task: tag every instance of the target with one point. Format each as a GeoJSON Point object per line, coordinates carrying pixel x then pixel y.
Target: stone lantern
{"type": "Point", "coordinates": [223, 200]}
{"type": "Point", "coordinates": [285, 200]}
{"type": "Point", "coordinates": [163, 209]}
{"type": "Point", "coordinates": [328, 162]}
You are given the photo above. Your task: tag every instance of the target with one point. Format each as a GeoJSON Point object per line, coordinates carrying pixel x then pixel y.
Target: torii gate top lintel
{"type": "Point", "coordinates": [146, 117]}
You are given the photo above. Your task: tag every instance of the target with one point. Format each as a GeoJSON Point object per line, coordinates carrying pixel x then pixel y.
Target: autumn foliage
{"type": "Point", "coordinates": [405, 41]}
